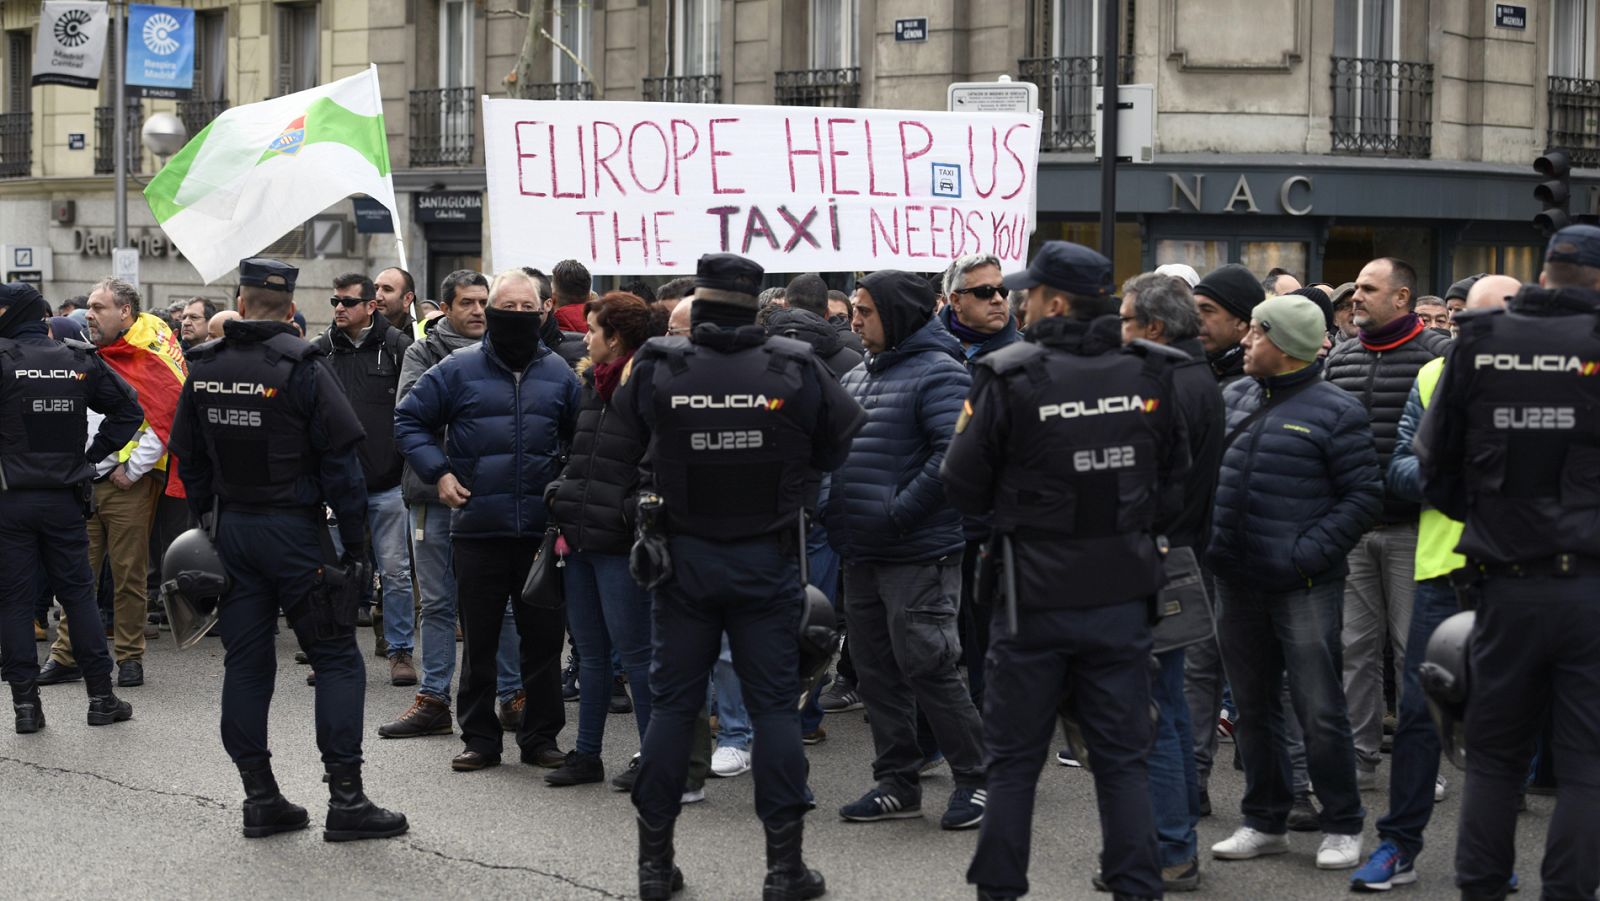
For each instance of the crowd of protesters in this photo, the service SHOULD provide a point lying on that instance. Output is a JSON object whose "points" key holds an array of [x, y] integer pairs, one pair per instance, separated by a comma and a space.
{"points": [[1325, 570]]}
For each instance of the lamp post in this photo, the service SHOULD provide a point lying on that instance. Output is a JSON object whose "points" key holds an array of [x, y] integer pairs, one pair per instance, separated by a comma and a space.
{"points": [[119, 134]]}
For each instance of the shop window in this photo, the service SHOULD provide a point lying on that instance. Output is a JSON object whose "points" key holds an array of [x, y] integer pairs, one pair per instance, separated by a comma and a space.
{"points": [[1202, 254], [1129, 251], [1520, 261], [1349, 247], [1262, 257]]}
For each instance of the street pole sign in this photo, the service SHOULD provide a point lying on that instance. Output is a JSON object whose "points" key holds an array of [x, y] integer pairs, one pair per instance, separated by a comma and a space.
{"points": [[125, 264], [1003, 96]]}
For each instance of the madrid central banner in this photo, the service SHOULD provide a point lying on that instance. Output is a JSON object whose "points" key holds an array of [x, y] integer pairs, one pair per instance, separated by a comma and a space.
{"points": [[646, 188]]}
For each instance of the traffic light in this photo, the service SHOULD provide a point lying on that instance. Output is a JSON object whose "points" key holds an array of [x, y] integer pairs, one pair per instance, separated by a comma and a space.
{"points": [[1555, 192]]}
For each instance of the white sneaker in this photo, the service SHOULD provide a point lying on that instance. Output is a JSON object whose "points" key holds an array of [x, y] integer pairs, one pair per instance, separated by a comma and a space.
{"points": [[1339, 852], [693, 797], [1438, 788], [1247, 843], [729, 762]]}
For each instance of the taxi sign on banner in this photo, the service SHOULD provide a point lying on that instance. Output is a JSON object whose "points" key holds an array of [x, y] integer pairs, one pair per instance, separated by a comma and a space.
{"points": [[637, 188]]}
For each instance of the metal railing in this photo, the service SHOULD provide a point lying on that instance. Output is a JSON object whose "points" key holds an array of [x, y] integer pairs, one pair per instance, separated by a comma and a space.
{"points": [[561, 90], [1575, 119], [1382, 107], [684, 89], [16, 145], [105, 129], [818, 87], [442, 126], [197, 114], [1066, 95]]}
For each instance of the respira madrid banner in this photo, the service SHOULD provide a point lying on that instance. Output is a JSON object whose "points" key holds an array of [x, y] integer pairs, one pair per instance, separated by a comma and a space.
{"points": [[631, 188], [160, 50], [70, 44]]}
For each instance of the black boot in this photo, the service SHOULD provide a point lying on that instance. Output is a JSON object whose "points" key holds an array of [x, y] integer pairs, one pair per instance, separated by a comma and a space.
{"points": [[350, 815], [25, 701], [266, 810], [658, 878], [788, 878], [106, 708]]}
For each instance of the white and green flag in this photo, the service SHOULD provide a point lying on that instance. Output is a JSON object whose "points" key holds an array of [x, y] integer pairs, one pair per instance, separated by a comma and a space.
{"points": [[259, 170]]}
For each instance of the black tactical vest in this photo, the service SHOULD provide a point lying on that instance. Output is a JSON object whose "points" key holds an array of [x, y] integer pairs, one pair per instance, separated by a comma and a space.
{"points": [[257, 435], [44, 404], [1532, 468], [1082, 455], [729, 448]]}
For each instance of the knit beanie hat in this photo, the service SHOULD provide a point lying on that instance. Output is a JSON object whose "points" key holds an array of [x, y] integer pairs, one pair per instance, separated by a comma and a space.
{"points": [[1293, 324], [1234, 287]]}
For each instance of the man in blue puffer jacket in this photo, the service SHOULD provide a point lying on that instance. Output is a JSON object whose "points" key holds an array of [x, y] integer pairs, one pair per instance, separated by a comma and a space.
{"points": [[1299, 485], [901, 542], [508, 406]]}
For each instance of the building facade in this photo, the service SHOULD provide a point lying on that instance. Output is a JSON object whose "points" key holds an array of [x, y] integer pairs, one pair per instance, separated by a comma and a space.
{"points": [[1307, 134]]}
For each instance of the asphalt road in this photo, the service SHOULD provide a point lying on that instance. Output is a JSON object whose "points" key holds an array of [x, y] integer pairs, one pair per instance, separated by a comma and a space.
{"points": [[150, 808]]}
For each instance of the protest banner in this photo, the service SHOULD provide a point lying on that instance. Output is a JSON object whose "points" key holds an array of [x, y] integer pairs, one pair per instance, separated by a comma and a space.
{"points": [[646, 188]]}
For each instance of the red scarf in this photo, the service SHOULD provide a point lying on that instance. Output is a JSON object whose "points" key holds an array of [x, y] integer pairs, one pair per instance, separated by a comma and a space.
{"points": [[1393, 335], [608, 376]]}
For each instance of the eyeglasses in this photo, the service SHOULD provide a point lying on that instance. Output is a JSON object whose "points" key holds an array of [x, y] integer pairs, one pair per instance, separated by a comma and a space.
{"points": [[983, 292], [678, 330], [337, 301]]}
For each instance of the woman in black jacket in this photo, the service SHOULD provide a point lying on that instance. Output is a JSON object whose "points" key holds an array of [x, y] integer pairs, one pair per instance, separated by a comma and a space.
{"points": [[592, 503]]}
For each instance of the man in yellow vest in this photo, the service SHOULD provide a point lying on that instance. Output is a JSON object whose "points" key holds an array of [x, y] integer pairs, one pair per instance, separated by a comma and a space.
{"points": [[1414, 764]]}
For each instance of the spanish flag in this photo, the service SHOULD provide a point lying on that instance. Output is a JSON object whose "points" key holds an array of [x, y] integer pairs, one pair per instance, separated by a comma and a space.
{"points": [[149, 357]]}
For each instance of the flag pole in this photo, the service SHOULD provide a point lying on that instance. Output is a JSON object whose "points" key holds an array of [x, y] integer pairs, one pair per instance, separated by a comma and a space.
{"points": [[394, 215]]}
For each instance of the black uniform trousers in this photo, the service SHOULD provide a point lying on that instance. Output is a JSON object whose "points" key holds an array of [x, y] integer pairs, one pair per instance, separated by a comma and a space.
{"points": [[42, 531], [751, 590], [489, 573], [272, 561], [1099, 659], [1535, 651]]}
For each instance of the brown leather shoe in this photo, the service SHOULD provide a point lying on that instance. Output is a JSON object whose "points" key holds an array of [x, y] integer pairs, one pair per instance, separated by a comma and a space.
{"points": [[511, 712], [551, 758], [469, 760], [426, 716], [401, 670]]}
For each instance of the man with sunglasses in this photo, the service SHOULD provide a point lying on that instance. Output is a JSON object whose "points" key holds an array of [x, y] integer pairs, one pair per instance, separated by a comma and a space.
{"points": [[365, 351]]}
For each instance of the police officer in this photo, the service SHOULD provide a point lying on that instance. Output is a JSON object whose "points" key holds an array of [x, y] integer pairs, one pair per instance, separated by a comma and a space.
{"points": [[46, 391], [1071, 443], [1511, 446], [734, 422], [264, 435]]}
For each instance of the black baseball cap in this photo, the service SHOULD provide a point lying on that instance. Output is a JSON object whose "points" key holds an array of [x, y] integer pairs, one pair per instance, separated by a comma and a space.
{"points": [[1577, 244], [1066, 267], [261, 272]]}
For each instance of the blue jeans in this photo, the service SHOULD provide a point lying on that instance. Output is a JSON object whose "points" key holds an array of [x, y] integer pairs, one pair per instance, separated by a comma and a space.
{"points": [[386, 523], [607, 609], [1263, 634], [1414, 764], [430, 549], [1174, 783], [823, 562], [726, 700]]}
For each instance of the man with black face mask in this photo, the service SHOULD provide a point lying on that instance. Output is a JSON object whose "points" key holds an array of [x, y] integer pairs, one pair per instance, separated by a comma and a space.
{"points": [[737, 424], [507, 406]]}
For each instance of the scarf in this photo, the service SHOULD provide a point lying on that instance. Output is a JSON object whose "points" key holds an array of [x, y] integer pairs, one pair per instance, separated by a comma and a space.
{"points": [[608, 376], [514, 336], [1397, 332], [962, 333]]}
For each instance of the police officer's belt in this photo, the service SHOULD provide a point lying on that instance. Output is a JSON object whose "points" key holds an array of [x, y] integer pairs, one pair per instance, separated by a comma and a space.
{"points": [[1561, 565], [266, 510]]}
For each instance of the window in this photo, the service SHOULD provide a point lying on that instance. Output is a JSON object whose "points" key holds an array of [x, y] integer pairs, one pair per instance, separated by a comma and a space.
{"points": [[455, 44], [696, 36], [297, 48], [1075, 28], [19, 69], [1571, 37], [1367, 29], [833, 34], [572, 30], [211, 56]]}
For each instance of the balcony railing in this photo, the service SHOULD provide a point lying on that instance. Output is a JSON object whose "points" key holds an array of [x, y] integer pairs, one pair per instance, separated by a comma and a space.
{"points": [[1575, 119], [16, 145], [684, 89], [1066, 95], [1382, 107], [197, 114], [442, 126], [818, 87], [105, 130], [562, 90]]}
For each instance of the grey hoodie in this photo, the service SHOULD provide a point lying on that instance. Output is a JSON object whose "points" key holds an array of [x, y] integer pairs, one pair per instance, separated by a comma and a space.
{"points": [[442, 341]]}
